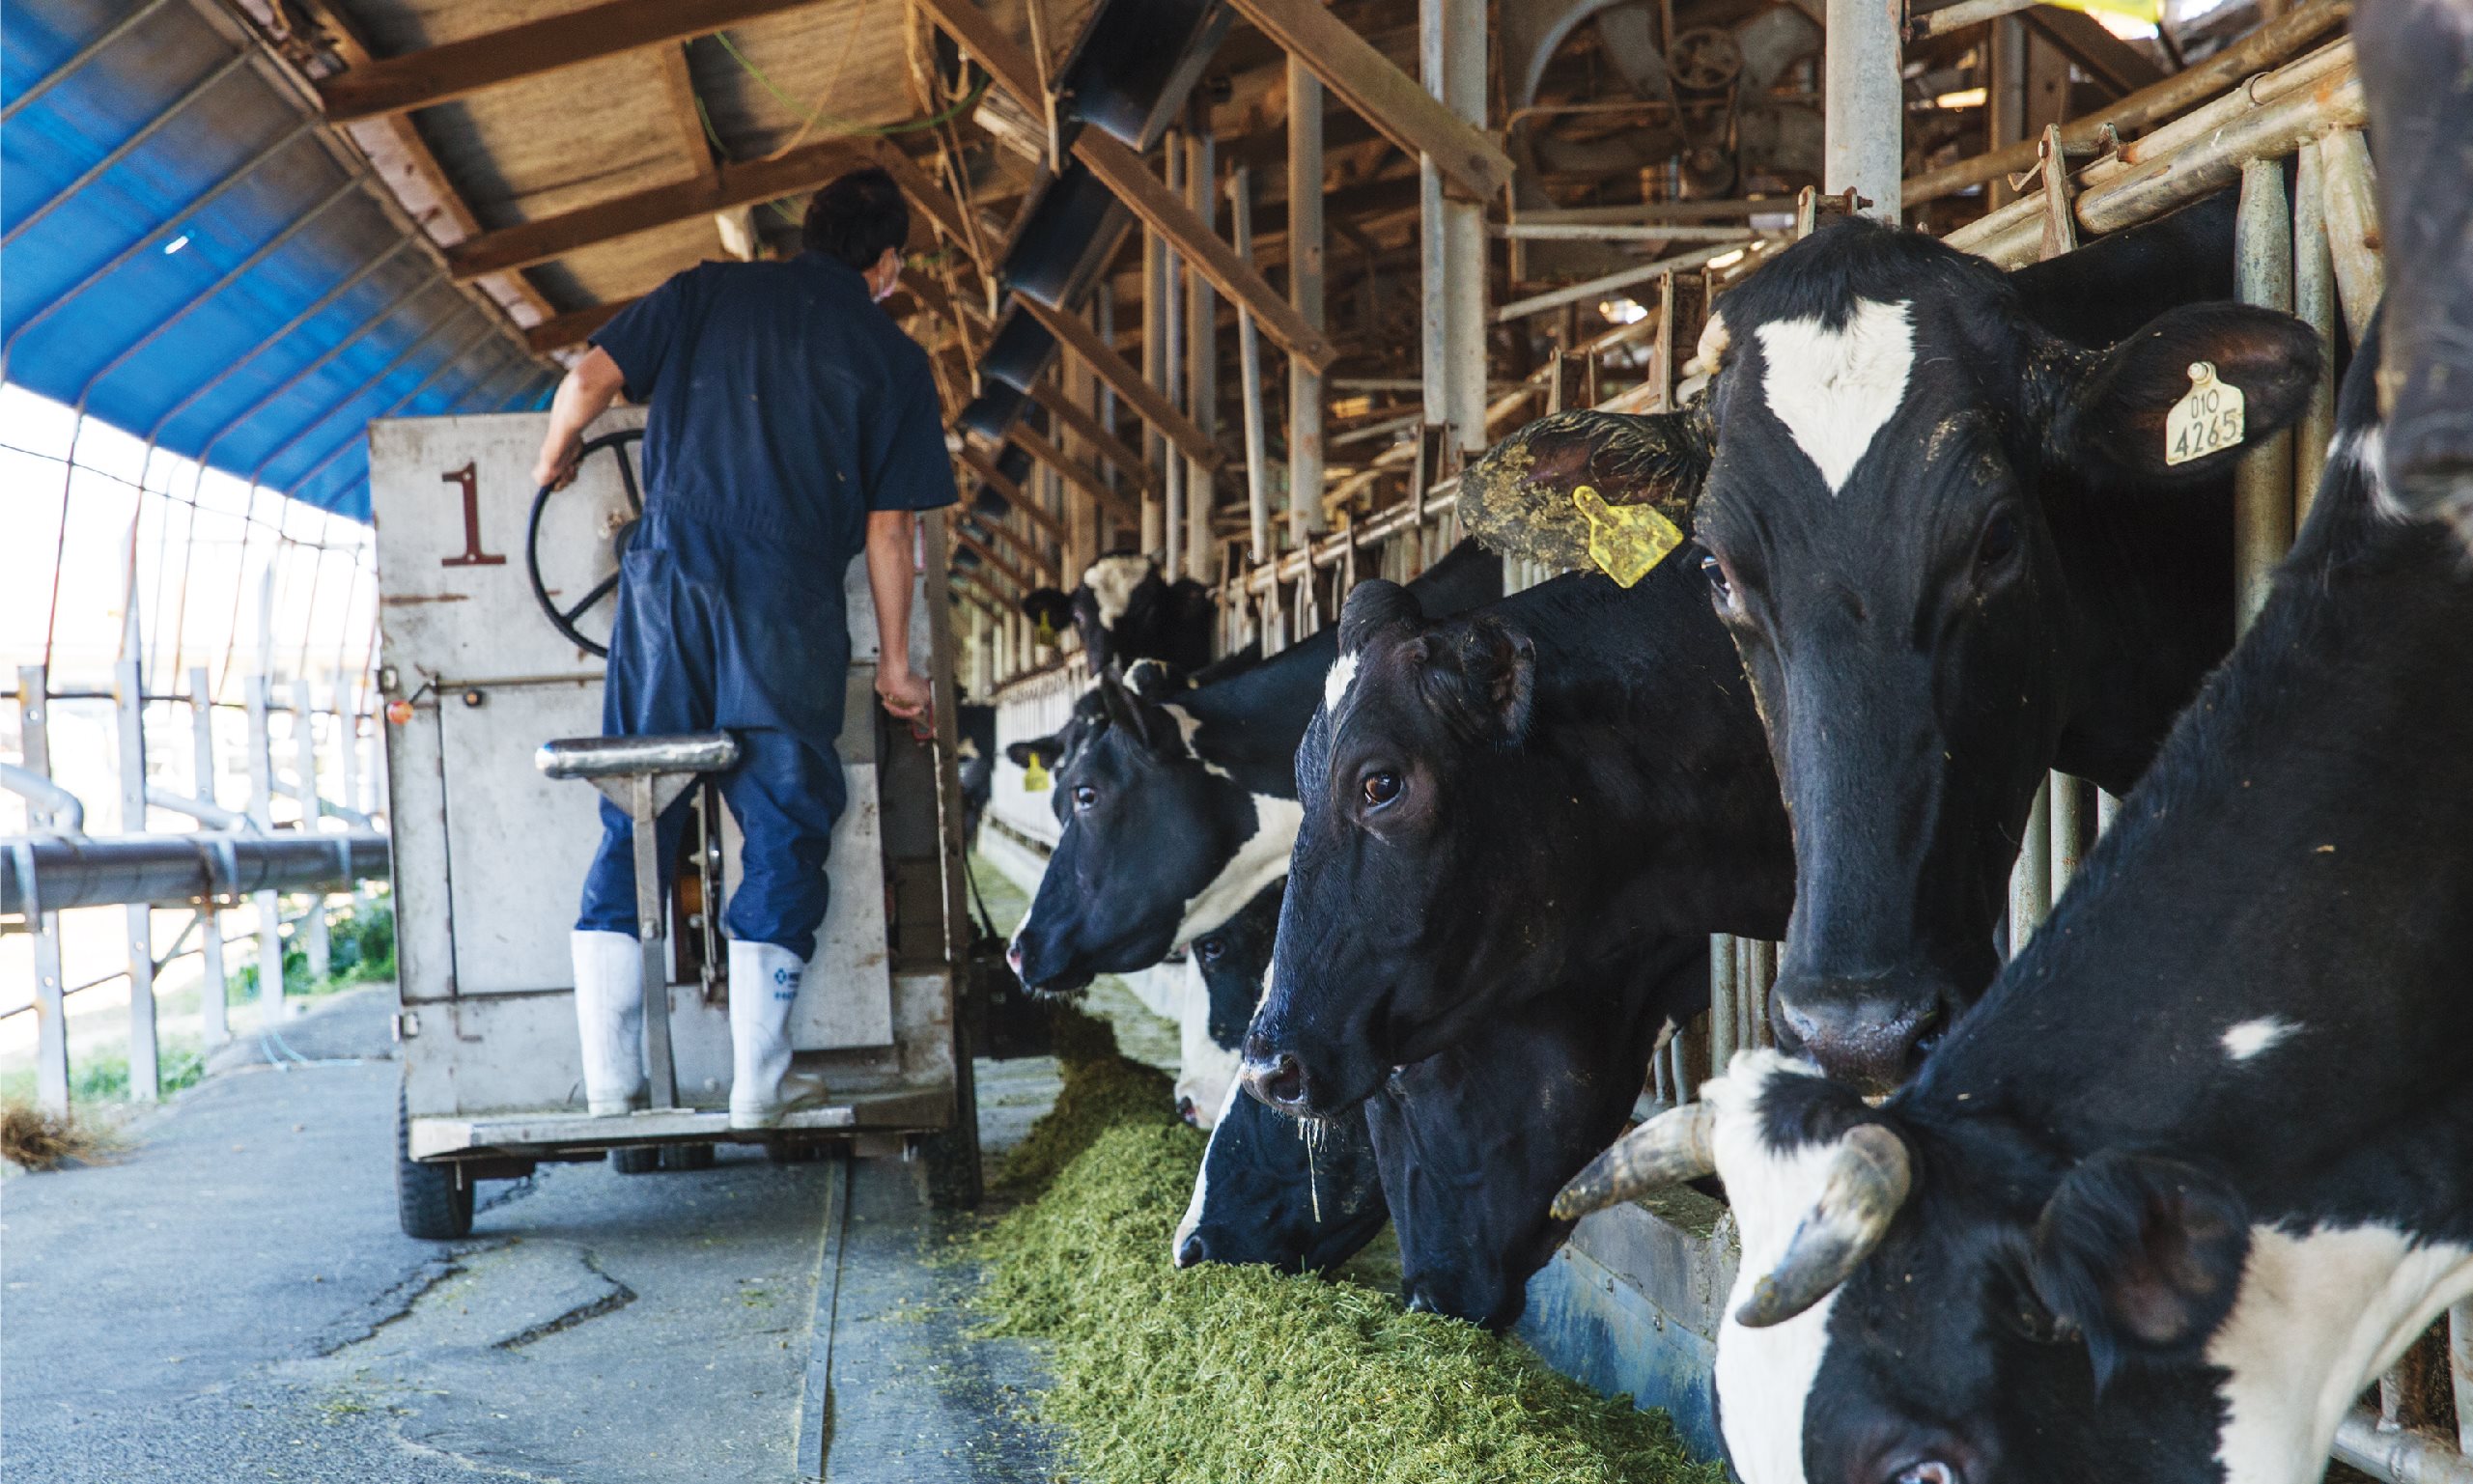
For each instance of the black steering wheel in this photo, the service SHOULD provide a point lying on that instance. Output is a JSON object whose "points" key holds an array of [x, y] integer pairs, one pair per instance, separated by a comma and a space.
{"points": [[564, 619]]}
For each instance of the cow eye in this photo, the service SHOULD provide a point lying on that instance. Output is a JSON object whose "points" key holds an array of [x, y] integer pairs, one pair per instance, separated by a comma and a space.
{"points": [[1084, 795], [1715, 571], [1210, 948], [1999, 539], [1380, 789], [1929, 1471]]}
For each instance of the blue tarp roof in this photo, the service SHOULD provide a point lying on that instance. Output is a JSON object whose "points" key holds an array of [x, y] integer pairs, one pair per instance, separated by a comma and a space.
{"points": [[187, 257]]}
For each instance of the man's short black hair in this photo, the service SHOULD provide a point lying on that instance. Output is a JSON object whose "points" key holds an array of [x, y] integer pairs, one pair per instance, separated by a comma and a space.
{"points": [[857, 217]]}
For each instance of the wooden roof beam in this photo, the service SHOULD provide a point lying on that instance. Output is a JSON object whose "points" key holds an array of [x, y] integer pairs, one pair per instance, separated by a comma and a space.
{"points": [[1080, 422], [1387, 97], [1012, 494], [987, 554], [1125, 381], [574, 327], [1038, 561], [1123, 173], [1080, 475], [804, 168], [438, 74], [678, 88]]}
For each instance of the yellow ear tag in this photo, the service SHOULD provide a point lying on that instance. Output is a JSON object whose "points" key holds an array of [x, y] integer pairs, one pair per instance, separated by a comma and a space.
{"points": [[2206, 420], [1034, 778], [1625, 541], [1047, 632]]}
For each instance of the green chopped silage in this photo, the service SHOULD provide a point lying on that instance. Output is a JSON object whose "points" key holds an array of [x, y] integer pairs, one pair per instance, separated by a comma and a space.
{"points": [[1103, 1089], [1219, 1373]]}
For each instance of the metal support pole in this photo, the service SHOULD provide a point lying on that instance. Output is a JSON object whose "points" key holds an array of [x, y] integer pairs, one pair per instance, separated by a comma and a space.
{"points": [[2031, 879], [1306, 292], [216, 1027], [2262, 479], [1451, 62], [661, 1072], [2072, 814], [1202, 360], [1721, 998], [1154, 447], [2459, 1369], [262, 796], [129, 712], [51, 1009], [313, 920], [2313, 300], [1863, 106], [348, 759], [1257, 454], [2352, 226], [1172, 380]]}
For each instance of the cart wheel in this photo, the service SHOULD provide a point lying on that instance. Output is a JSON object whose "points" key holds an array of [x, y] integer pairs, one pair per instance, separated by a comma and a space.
{"points": [[430, 1203], [640, 1160], [687, 1156]]}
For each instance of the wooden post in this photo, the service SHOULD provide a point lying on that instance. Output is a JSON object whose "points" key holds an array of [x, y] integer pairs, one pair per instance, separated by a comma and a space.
{"points": [[2262, 479], [1306, 292], [1202, 360], [1258, 456], [2313, 301], [52, 1006], [212, 1005], [129, 712], [1155, 448]]}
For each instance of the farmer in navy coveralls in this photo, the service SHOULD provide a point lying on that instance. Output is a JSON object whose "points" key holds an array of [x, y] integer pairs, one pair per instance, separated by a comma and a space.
{"points": [[790, 425]]}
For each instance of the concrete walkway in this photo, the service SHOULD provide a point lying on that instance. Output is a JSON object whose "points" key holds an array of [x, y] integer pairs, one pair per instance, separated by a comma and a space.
{"points": [[230, 1299]]}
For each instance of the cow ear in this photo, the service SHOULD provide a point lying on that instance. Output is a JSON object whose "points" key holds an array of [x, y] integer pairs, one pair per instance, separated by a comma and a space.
{"points": [[1043, 750], [1049, 609], [1642, 478], [1130, 713], [1374, 605], [2141, 1254], [1155, 680], [1489, 679], [2114, 409]]}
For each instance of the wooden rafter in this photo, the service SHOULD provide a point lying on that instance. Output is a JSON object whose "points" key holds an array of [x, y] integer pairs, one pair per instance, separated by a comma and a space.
{"points": [[1384, 96], [728, 185], [987, 554], [678, 87], [1080, 475], [1082, 425], [438, 74], [1012, 494], [574, 327], [1123, 173], [1125, 381], [2107, 58], [1038, 561]]}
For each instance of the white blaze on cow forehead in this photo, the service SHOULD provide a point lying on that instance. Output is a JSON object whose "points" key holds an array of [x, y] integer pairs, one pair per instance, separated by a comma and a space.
{"points": [[1112, 580], [1835, 388], [1343, 674], [2319, 1316], [1198, 1207], [2251, 1037], [1263, 858], [1764, 1376]]}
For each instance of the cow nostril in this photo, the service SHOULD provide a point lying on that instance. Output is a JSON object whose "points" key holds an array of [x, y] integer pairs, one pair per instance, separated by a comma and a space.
{"points": [[1186, 1110], [1013, 954], [1193, 1250]]}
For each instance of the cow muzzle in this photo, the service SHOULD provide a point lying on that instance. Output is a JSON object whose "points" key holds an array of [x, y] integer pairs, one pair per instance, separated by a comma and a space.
{"points": [[1856, 1032], [1274, 1078]]}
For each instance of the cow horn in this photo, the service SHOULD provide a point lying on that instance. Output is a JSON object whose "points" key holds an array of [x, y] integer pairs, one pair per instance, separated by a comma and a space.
{"points": [[1667, 1150], [1868, 1178]]}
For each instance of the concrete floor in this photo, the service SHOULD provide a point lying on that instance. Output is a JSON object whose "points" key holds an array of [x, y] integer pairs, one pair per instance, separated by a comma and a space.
{"points": [[230, 1298]]}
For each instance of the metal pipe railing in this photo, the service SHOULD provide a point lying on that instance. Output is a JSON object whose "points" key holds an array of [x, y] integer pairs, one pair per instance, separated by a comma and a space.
{"points": [[54, 873]]}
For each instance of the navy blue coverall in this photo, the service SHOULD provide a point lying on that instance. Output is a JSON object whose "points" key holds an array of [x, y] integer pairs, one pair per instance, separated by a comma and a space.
{"points": [[784, 405]]}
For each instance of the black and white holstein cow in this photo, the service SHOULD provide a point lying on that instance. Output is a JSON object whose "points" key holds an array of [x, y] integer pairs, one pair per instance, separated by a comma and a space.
{"points": [[1528, 799], [1461, 1152], [2109, 1232], [1176, 812], [1946, 540], [1124, 610]]}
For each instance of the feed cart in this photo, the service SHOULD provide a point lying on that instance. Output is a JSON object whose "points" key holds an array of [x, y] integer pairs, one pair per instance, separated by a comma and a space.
{"points": [[496, 601]]}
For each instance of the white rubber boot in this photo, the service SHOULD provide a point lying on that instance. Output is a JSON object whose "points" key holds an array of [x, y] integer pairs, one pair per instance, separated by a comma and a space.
{"points": [[610, 1014], [764, 987]]}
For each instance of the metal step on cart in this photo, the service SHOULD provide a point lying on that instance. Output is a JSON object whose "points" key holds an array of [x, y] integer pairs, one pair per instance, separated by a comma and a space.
{"points": [[496, 598]]}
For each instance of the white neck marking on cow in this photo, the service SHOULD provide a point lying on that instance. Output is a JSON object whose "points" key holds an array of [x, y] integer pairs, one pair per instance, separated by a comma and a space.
{"points": [[1197, 1207], [1835, 389], [2250, 1038], [2364, 450], [1187, 725], [1112, 580], [1343, 674], [2320, 1315], [1205, 1068], [1764, 1376], [1263, 858]]}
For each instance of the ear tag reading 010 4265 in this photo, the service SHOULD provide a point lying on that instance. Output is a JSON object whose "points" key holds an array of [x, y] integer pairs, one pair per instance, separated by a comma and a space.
{"points": [[1625, 541], [1034, 778], [2206, 420]]}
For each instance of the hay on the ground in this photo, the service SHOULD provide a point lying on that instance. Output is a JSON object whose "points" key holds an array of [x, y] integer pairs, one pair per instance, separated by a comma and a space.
{"points": [[1219, 1373], [1103, 1089], [33, 1140]]}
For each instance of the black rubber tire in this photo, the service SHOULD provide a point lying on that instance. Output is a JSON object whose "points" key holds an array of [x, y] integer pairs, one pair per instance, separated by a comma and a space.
{"points": [[430, 1204], [685, 1157], [642, 1159]]}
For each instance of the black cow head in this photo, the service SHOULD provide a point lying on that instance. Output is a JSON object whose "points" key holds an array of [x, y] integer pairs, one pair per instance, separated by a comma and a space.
{"points": [[1125, 611], [1230, 961], [1050, 611], [1156, 847], [1872, 482], [1300, 1198], [1928, 1299], [1413, 871]]}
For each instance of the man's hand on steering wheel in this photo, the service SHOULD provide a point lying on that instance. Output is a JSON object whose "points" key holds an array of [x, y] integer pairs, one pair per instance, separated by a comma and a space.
{"points": [[555, 467]]}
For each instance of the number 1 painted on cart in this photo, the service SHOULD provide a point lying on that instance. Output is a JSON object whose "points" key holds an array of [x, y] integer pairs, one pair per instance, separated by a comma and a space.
{"points": [[473, 555]]}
